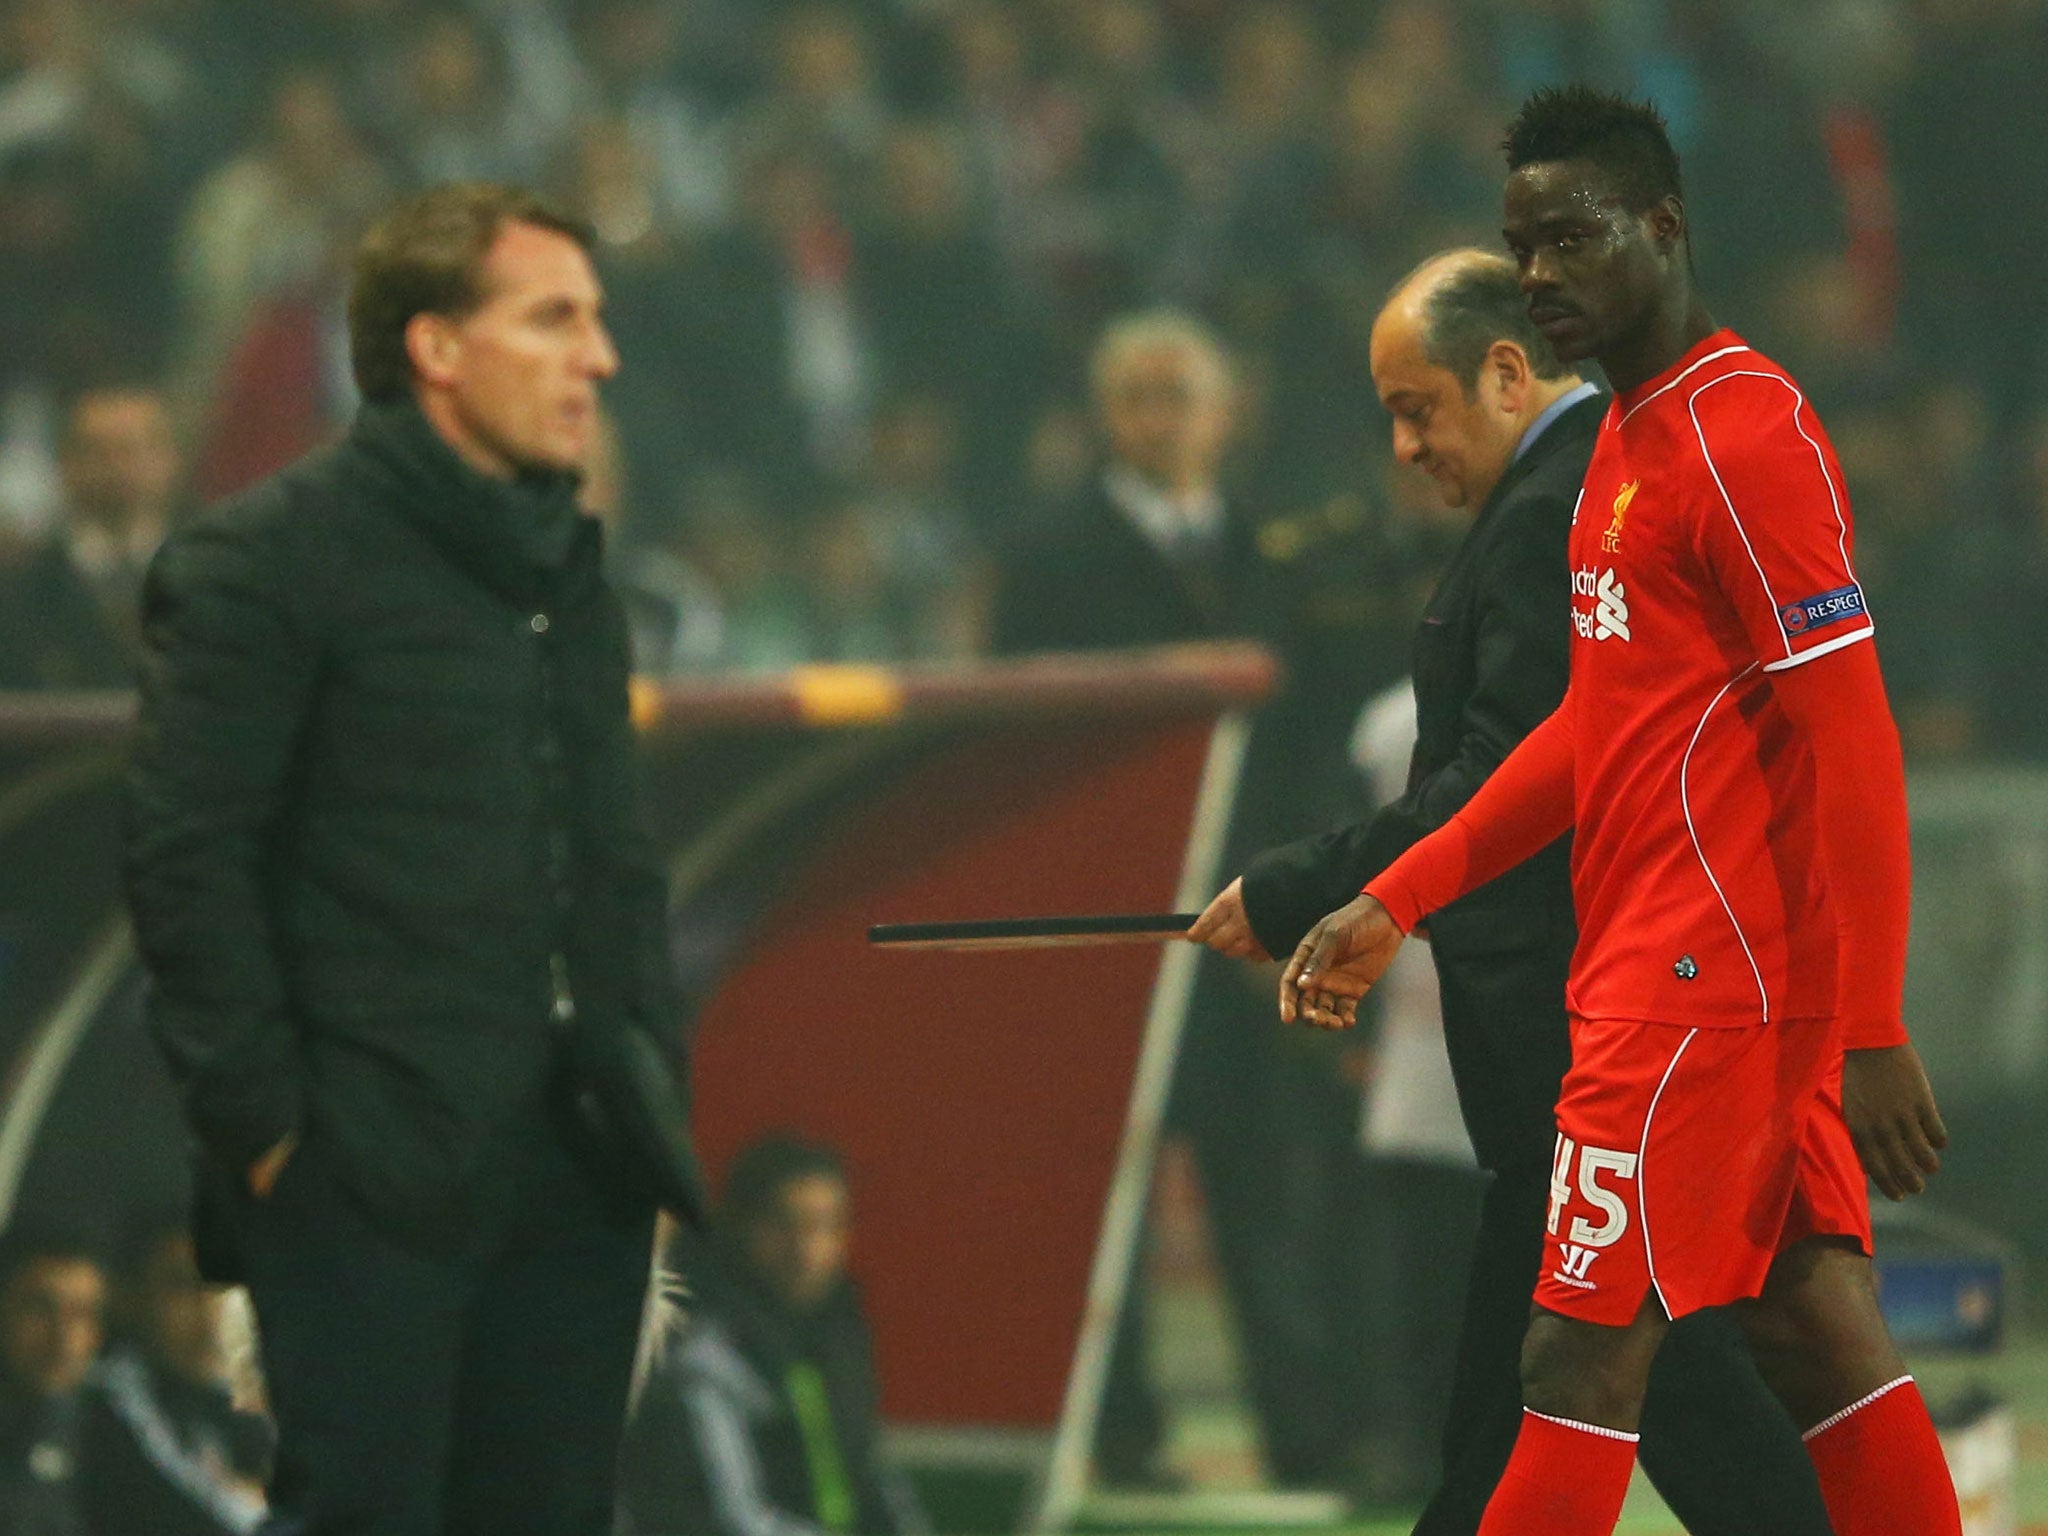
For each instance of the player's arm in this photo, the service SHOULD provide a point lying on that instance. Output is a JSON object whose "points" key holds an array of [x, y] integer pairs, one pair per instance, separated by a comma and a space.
{"points": [[1523, 807], [1859, 790], [1777, 536], [227, 677], [1521, 659]]}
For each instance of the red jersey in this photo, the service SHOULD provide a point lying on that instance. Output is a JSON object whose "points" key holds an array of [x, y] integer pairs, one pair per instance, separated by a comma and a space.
{"points": [[1710, 550]]}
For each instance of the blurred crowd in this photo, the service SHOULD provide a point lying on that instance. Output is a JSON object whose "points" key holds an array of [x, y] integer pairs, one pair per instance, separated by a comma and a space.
{"points": [[130, 1404], [132, 1400], [857, 252]]}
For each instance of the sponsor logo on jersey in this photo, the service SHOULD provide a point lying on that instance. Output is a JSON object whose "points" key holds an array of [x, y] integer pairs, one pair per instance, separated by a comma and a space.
{"points": [[1611, 539], [1811, 613], [1608, 619]]}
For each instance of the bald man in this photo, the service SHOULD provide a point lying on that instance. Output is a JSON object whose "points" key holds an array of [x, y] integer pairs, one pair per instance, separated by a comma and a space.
{"points": [[1480, 403]]}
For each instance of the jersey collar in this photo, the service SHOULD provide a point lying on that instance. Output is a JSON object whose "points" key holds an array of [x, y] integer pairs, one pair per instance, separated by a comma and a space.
{"points": [[1723, 340]]}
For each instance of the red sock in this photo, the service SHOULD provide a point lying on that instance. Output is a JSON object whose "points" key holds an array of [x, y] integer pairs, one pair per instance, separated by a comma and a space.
{"points": [[1564, 1479], [1881, 1468]]}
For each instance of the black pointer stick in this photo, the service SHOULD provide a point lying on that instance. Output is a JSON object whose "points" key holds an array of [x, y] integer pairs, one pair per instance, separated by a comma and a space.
{"points": [[1036, 932]]}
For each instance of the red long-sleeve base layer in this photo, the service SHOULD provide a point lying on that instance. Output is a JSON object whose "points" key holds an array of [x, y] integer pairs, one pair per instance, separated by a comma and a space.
{"points": [[1523, 807], [1837, 706]]}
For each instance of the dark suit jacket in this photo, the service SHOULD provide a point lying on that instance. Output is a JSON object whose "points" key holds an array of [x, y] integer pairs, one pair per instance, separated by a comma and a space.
{"points": [[1086, 578], [1491, 661], [383, 848]]}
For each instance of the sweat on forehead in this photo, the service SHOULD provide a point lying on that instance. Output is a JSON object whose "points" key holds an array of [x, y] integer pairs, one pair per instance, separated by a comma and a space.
{"points": [[1569, 188]]}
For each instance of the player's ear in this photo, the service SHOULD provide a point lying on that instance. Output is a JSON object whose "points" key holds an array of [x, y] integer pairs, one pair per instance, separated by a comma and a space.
{"points": [[1667, 224]]}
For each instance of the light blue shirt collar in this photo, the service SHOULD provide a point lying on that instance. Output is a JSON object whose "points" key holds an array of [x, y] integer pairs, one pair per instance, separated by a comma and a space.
{"points": [[1551, 412]]}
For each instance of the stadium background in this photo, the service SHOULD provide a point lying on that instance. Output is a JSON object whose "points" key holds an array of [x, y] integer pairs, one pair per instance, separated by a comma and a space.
{"points": [[857, 253]]}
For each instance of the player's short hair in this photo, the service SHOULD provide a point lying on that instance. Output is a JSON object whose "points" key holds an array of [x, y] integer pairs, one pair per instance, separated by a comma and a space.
{"points": [[1153, 328], [426, 256], [753, 1189], [1627, 139], [1479, 302]]}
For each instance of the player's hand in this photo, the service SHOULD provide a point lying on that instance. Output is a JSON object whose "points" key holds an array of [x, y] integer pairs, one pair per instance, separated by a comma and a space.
{"points": [[1224, 927], [1337, 964], [267, 1169], [1893, 1119]]}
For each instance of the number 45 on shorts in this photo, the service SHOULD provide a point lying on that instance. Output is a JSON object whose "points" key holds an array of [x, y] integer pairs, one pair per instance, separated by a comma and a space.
{"points": [[1581, 1245]]}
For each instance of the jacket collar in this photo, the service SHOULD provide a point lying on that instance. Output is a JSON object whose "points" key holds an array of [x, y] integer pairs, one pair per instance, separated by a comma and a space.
{"points": [[1577, 424], [519, 537]]}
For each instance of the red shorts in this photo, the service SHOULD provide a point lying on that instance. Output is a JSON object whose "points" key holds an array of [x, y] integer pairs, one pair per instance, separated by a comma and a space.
{"points": [[1688, 1159]]}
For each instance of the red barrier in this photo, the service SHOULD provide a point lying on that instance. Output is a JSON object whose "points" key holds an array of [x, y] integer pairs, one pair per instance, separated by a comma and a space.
{"points": [[997, 1110]]}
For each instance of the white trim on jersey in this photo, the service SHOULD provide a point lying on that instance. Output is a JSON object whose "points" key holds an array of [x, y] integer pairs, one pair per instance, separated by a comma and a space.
{"points": [[1685, 804], [1801, 658], [1643, 1170], [1695, 368], [1841, 522], [1692, 409], [1834, 500], [1589, 1429]]}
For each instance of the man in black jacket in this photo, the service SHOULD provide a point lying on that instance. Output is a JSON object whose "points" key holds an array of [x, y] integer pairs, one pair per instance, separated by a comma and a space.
{"points": [[1153, 550], [407, 945], [67, 604], [1481, 404]]}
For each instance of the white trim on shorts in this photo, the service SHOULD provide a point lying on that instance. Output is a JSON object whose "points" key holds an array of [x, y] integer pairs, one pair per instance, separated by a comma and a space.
{"points": [[1643, 1173]]}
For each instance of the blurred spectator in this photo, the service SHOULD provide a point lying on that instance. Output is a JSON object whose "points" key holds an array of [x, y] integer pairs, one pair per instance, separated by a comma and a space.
{"points": [[69, 606], [763, 1419], [1157, 548], [1910, 467], [453, 116], [1119, 154], [259, 259], [933, 294], [898, 573], [166, 1451], [811, 207], [633, 63], [1005, 110], [726, 532], [823, 93], [778, 357], [1266, 152], [1975, 304], [52, 1321], [1151, 551]]}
